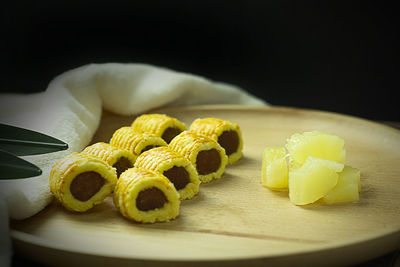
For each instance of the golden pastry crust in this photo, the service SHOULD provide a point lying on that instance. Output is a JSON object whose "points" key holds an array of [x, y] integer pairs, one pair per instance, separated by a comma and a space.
{"points": [[170, 164], [114, 156], [206, 155], [160, 125], [130, 186], [136, 143], [226, 133], [67, 171]]}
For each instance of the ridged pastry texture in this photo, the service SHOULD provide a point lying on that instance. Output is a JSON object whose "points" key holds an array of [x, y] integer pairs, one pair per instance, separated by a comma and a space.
{"points": [[118, 158], [160, 125], [72, 175], [177, 168], [132, 183], [127, 138], [206, 155], [226, 133]]}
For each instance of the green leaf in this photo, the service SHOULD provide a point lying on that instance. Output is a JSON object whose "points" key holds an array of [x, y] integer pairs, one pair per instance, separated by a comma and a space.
{"points": [[23, 142], [13, 167]]}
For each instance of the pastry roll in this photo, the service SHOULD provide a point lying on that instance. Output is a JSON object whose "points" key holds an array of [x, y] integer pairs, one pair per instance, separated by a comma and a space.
{"points": [[136, 143], [226, 133], [80, 181], [204, 153], [178, 169], [160, 125], [118, 158], [146, 196]]}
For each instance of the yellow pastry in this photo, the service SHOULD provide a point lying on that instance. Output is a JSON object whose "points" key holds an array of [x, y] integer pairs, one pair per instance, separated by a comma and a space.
{"points": [[160, 125], [226, 133], [204, 153], [136, 143], [80, 181], [118, 158], [146, 196], [178, 169]]}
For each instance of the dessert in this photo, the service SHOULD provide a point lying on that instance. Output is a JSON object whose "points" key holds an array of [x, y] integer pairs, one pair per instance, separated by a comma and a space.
{"points": [[120, 159], [146, 196], [204, 153], [136, 143], [80, 181], [159, 125], [178, 169], [226, 133]]}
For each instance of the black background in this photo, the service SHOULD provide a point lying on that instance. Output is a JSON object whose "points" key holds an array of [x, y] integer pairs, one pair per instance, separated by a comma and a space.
{"points": [[339, 56]]}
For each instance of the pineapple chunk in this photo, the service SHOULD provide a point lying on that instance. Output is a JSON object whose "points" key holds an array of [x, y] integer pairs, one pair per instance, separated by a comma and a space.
{"points": [[313, 180], [274, 168], [347, 188], [317, 144]]}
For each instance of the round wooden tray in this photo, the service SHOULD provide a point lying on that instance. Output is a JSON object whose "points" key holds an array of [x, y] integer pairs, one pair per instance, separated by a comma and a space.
{"points": [[235, 220]]}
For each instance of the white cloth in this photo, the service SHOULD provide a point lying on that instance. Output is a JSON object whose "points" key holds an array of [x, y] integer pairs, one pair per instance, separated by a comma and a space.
{"points": [[70, 109]]}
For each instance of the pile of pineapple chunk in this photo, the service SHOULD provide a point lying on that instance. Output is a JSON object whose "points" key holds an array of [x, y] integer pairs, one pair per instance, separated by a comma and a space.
{"points": [[312, 166]]}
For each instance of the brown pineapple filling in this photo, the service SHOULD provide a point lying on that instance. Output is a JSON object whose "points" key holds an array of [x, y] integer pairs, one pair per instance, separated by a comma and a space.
{"points": [[86, 185], [208, 161], [178, 176], [122, 165], [170, 133], [150, 199], [229, 140]]}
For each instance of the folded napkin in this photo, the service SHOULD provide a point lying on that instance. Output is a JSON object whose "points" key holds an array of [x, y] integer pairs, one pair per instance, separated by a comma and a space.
{"points": [[70, 110]]}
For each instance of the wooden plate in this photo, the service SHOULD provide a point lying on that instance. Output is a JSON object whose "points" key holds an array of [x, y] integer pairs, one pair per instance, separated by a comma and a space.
{"points": [[235, 220]]}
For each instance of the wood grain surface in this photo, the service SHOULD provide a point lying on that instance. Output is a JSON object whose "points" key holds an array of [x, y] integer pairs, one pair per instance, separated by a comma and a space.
{"points": [[235, 220]]}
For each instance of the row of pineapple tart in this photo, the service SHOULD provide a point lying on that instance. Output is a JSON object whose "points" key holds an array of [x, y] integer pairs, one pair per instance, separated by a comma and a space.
{"points": [[150, 166]]}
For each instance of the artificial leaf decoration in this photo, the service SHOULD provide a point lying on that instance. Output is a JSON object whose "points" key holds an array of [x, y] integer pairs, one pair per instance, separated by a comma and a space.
{"points": [[23, 142], [13, 167]]}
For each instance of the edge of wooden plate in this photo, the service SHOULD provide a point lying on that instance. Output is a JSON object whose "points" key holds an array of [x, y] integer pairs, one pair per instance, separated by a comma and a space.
{"points": [[280, 108], [338, 253]]}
